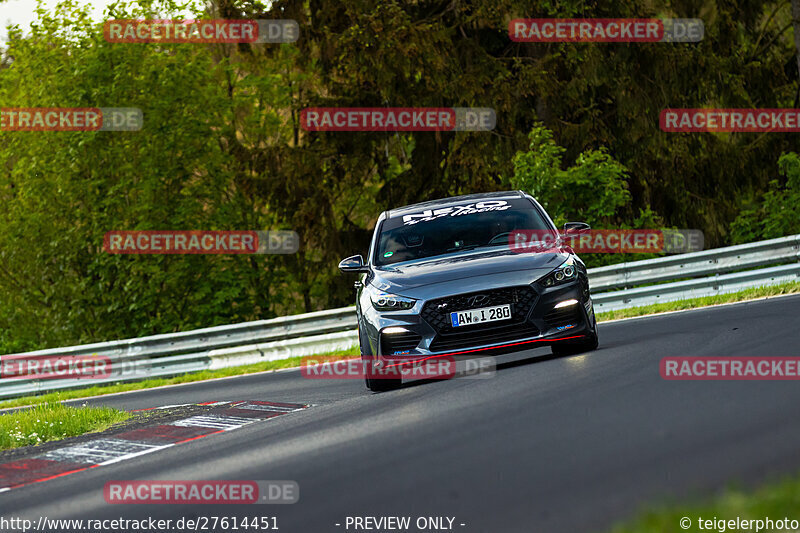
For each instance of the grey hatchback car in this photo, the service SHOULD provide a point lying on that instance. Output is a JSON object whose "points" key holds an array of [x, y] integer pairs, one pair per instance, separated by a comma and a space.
{"points": [[442, 279]]}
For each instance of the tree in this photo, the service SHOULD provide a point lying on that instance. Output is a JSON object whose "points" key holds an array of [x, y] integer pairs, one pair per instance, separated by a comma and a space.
{"points": [[778, 212], [594, 190], [222, 147]]}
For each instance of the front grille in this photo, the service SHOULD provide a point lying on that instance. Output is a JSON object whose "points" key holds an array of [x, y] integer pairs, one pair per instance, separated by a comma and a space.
{"points": [[399, 342], [495, 335], [563, 316], [437, 314]]}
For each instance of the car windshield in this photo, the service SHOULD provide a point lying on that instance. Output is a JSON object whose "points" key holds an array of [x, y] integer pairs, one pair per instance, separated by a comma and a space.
{"points": [[433, 232]]}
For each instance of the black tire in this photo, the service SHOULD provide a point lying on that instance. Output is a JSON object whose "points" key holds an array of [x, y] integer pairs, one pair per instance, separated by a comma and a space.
{"points": [[383, 385], [586, 344], [374, 384]]}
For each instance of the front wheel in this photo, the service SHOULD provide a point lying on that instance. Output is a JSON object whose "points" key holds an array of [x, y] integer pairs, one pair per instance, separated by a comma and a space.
{"points": [[377, 381]]}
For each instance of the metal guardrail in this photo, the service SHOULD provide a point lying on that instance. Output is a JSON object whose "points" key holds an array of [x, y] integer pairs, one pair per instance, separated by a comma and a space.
{"points": [[694, 264], [695, 288], [202, 349], [710, 272]]}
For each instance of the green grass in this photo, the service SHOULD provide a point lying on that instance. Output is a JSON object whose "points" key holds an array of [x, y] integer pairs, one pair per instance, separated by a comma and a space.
{"points": [[747, 294], [99, 390], [774, 500], [54, 421]]}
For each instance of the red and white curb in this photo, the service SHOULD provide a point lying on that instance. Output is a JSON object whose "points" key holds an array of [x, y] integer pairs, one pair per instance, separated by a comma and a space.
{"points": [[225, 416]]}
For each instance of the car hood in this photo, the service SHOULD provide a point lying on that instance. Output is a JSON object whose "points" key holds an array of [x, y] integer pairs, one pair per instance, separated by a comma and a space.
{"points": [[465, 272]]}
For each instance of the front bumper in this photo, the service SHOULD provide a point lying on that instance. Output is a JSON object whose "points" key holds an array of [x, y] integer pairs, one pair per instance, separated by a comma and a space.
{"points": [[424, 332]]}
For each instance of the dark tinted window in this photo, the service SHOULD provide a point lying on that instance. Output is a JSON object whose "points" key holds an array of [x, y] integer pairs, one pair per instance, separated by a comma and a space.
{"points": [[432, 232]]}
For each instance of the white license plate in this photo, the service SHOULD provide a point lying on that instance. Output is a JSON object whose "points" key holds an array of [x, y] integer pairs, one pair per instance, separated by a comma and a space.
{"points": [[481, 315]]}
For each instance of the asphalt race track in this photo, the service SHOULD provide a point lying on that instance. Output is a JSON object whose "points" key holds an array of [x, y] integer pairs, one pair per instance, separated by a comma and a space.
{"points": [[548, 445]]}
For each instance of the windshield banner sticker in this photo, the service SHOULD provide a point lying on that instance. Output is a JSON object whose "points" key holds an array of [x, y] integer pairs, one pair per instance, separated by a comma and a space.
{"points": [[456, 210]]}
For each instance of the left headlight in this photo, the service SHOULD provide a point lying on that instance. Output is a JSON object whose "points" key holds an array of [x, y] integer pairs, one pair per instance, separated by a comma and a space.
{"points": [[384, 301], [563, 274]]}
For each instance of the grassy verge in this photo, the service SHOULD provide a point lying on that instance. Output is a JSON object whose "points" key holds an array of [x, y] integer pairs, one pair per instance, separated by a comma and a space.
{"points": [[54, 421], [114, 388], [775, 501], [748, 294]]}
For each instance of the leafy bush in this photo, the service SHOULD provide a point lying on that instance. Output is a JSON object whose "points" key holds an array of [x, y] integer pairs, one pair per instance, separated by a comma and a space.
{"points": [[778, 213], [591, 191], [594, 190]]}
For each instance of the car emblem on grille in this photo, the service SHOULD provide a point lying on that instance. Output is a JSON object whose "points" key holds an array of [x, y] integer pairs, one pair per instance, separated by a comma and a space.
{"points": [[475, 301]]}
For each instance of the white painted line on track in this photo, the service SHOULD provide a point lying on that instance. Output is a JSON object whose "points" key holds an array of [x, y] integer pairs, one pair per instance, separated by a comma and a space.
{"points": [[99, 451], [132, 455], [272, 408], [214, 421]]}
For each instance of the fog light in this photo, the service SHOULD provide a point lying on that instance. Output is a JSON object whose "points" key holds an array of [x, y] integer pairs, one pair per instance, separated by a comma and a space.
{"points": [[565, 303], [394, 329]]}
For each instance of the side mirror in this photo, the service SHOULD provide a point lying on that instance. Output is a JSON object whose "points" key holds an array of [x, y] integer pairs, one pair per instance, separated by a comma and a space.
{"points": [[576, 227], [353, 264]]}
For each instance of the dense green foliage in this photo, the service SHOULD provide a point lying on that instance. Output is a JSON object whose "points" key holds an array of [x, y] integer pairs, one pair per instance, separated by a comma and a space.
{"points": [[778, 212], [595, 187], [222, 147], [594, 190]]}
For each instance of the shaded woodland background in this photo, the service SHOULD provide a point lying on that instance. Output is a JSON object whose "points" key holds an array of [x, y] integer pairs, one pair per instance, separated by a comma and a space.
{"points": [[221, 148]]}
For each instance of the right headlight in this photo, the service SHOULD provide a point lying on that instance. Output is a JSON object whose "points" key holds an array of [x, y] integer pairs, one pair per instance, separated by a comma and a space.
{"points": [[563, 274], [384, 301]]}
